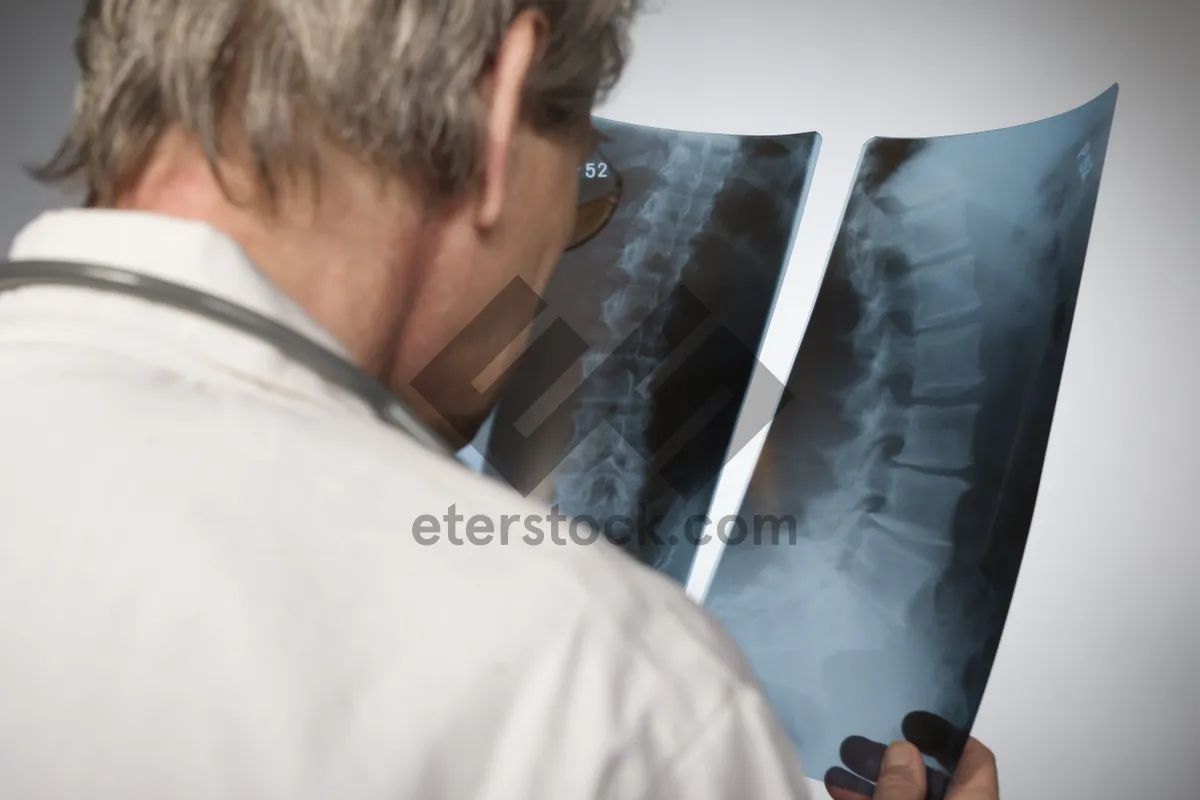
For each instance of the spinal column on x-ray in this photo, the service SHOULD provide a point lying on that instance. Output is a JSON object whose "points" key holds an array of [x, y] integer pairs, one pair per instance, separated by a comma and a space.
{"points": [[897, 545], [917, 251], [605, 475]]}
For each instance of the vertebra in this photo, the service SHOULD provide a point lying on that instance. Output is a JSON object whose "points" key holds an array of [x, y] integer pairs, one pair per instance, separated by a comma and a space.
{"points": [[604, 475]]}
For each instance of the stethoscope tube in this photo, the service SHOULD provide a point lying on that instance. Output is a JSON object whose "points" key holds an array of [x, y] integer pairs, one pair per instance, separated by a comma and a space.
{"points": [[300, 349]]}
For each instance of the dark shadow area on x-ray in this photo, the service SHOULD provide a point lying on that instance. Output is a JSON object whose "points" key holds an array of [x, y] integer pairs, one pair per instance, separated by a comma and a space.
{"points": [[912, 448], [672, 299]]}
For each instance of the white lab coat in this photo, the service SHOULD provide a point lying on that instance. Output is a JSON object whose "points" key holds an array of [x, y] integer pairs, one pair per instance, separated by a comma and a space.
{"points": [[210, 587]]}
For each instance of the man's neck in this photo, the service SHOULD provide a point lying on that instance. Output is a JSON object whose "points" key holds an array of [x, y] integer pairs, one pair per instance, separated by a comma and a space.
{"points": [[353, 256]]}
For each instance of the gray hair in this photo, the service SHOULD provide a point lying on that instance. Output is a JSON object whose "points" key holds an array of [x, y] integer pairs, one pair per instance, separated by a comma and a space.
{"points": [[390, 82]]}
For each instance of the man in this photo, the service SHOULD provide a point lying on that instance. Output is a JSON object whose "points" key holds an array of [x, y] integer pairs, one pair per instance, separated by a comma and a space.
{"points": [[211, 582]]}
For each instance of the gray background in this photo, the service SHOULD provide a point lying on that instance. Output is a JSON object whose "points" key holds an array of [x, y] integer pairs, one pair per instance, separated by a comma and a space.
{"points": [[1093, 694], [38, 72]]}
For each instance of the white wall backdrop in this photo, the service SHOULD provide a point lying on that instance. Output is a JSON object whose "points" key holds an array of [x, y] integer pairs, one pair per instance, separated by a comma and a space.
{"points": [[1094, 691]]}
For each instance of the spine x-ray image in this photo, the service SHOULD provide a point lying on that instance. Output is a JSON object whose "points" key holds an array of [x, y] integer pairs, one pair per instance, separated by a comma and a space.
{"points": [[911, 447], [669, 302]]}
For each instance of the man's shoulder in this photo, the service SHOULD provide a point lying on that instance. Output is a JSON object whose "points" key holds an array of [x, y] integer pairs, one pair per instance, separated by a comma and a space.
{"points": [[518, 541], [476, 522], [608, 664], [342, 489], [598, 620], [307, 532]]}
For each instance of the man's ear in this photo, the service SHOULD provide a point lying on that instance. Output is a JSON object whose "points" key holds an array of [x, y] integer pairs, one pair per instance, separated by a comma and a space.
{"points": [[503, 93]]}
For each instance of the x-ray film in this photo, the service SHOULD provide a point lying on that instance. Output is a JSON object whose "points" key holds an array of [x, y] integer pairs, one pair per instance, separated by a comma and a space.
{"points": [[907, 457], [622, 410]]}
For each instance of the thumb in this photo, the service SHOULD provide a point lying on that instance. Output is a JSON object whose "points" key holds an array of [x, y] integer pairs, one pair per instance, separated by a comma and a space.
{"points": [[902, 776]]}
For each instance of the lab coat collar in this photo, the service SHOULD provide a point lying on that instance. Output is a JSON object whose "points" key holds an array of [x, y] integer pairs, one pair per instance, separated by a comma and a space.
{"points": [[181, 251], [186, 252]]}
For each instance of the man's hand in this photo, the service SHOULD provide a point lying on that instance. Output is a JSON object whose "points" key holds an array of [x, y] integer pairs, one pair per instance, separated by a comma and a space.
{"points": [[904, 776], [898, 772]]}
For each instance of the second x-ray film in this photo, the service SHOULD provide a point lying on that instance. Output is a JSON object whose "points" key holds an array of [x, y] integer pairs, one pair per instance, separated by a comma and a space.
{"points": [[901, 474]]}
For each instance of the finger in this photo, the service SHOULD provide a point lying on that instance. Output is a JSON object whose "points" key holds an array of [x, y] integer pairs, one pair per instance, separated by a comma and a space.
{"points": [[903, 774], [862, 755], [976, 777], [934, 736], [937, 784], [842, 794], [844, 785]]}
